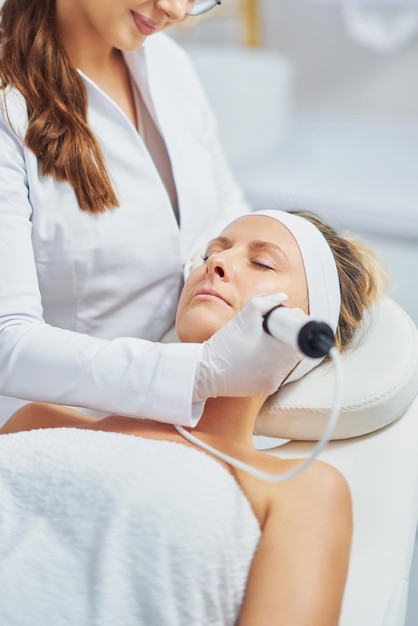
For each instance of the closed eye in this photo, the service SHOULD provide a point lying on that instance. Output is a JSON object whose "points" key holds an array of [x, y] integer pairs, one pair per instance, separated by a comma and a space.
{"points": [[263, 264]]}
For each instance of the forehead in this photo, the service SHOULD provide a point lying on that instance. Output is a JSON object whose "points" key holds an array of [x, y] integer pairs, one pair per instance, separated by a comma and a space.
{"points": [[262, 228]]}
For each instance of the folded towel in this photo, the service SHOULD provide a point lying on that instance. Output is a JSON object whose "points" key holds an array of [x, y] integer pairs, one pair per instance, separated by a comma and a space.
{"points": [[105, 529]]}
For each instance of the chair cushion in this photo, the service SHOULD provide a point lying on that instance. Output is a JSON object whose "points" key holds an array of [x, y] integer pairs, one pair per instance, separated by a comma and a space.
{"points": [[380, 382]]}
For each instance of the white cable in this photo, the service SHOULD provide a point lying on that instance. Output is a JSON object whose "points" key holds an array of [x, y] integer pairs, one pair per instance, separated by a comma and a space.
{"points": [[275, 478]]}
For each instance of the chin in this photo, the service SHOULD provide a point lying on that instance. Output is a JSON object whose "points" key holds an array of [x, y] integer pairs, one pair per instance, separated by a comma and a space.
{"points": [[189, 332], [198, 324], [199, 336]]}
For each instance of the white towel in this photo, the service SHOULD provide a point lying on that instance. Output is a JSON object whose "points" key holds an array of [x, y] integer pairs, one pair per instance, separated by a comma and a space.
{"points": [[105, 529]]}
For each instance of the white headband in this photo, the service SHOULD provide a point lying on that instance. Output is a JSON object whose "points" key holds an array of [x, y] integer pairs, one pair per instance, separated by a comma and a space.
{"points": [[321, 276]]}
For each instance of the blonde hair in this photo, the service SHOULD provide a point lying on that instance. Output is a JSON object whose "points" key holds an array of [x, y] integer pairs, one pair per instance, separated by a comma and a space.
{"points": [[363, 279], [33, 60]]}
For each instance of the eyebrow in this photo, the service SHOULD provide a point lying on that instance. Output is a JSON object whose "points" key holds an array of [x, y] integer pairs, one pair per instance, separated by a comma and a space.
{"points": [[256, 244], [268, 245]]}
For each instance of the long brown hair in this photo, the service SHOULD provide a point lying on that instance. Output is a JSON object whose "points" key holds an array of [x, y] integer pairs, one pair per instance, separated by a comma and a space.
{"points": [[33, 60], [363, 279]]}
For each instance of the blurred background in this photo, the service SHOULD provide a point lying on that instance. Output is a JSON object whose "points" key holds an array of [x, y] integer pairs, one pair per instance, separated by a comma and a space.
{"points": [[317, 104]]}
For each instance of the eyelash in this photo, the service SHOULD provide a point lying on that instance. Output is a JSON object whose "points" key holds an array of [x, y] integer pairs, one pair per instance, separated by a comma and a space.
{"points": [[261, 265]]}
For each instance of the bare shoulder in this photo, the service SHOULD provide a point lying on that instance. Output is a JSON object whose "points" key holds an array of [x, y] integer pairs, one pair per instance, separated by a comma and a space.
{"points": [[320, 488], [42, 415], [300, 568], [314, 505], [318, 476]]}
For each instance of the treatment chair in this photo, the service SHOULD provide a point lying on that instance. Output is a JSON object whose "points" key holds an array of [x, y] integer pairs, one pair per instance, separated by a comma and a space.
{"points": [[375, 446]]}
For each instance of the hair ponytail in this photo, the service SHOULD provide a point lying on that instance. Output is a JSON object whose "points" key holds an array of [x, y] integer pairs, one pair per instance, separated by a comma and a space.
{"points": [[33, 60]]}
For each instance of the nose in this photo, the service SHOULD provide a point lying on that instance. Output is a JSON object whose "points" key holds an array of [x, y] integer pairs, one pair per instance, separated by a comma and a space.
{"points": [[220, 265], [174, 9]]}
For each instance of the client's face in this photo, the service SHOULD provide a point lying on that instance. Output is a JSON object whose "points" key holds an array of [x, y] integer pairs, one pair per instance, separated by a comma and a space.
{"points": [[253, 255]]}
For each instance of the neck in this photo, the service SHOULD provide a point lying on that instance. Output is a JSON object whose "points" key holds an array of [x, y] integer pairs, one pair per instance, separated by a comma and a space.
{"points": [[85, 49], [231, 419]]}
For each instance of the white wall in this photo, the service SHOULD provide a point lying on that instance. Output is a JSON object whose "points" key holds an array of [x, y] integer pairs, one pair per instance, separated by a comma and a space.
{"points": [[332, 72]]}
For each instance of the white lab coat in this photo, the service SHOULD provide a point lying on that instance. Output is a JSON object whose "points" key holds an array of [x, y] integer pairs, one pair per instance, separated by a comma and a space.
{"points": [[77, 290]]}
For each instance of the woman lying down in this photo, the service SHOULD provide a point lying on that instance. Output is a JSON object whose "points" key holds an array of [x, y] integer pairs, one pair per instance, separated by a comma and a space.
{"points": [[121, 521]]}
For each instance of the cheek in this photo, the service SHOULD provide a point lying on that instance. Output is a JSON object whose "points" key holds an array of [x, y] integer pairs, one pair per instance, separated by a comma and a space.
{"points": [[254, 287], [181, 310], [294, 285], [184, 305], [189, 288], [297, 290]]}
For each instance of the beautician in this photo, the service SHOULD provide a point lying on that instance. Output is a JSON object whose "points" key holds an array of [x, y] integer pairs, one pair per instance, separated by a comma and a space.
{"points": [[111, 173]]}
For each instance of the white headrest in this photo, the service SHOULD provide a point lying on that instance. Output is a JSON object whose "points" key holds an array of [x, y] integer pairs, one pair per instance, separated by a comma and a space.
{"points": [[380, 383]]}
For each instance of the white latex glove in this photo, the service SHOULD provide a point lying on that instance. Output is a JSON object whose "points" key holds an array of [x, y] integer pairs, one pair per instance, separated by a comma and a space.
{"points": [[241, 359]]}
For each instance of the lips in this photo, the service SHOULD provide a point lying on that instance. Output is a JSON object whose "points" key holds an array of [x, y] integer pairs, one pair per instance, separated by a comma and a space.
{"points": [[210, 294], [144, 24]]}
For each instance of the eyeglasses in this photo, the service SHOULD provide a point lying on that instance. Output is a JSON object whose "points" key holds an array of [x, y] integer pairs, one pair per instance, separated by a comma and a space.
{"points": [[198, 7]]}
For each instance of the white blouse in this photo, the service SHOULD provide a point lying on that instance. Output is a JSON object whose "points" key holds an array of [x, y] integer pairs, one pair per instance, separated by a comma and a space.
{"points": [[80, 292], [156, 147]]}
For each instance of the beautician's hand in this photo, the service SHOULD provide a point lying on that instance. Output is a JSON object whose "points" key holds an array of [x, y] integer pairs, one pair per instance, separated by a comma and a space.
{"points": [[241, 359]]}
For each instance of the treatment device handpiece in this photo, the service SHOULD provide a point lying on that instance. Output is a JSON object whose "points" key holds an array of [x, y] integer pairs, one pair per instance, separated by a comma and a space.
{"points": [[296, 329]]}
